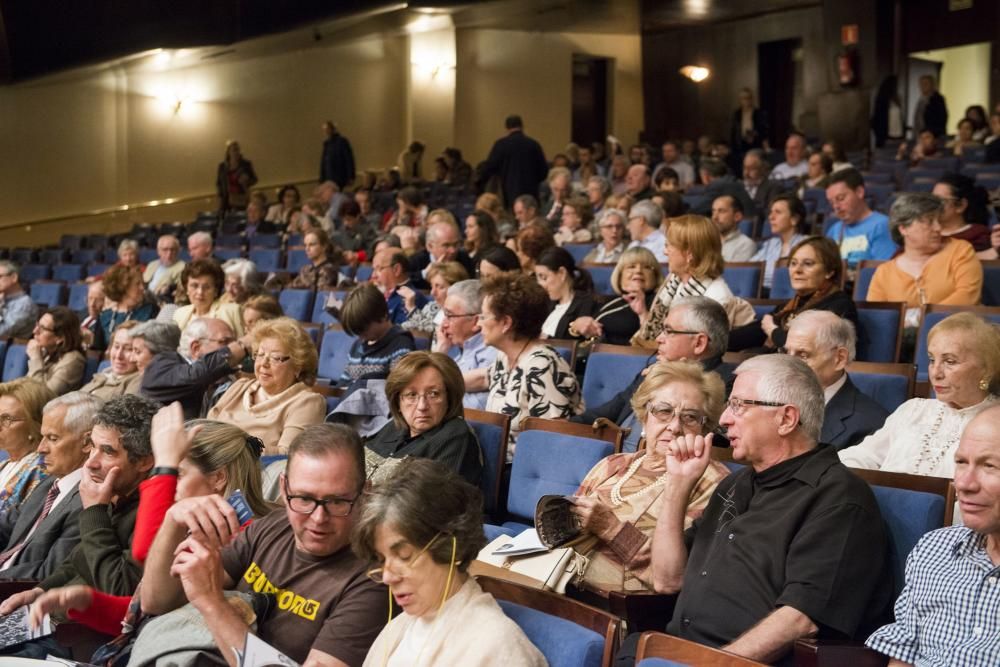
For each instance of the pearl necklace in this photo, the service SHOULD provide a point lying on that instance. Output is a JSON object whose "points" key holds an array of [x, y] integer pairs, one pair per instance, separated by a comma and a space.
{"points": [[616, 491]]}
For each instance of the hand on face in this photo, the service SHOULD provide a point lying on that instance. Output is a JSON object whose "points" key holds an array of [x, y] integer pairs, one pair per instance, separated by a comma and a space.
{"points": [[93, 492]]}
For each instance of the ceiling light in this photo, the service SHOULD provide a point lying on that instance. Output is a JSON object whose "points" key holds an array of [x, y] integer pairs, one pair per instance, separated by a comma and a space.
{"points": [[695, 72]]}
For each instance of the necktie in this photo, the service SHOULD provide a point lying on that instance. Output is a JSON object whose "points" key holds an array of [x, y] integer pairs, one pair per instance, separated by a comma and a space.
{"points": [[50, 500]]}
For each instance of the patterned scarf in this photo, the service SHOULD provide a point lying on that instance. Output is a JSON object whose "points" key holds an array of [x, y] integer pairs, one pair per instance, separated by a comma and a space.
{"points": [[673, 289], [798, 303]]}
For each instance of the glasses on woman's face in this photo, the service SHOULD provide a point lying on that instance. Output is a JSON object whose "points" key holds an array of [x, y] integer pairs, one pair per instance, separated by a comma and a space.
{"points": [[403, 567], [665, 413], [7, 420], [433, 397], [272, 358], [308, 504]]}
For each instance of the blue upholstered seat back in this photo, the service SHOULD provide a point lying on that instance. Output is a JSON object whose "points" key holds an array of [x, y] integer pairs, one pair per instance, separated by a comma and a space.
{"points": [[908, 516], [889, 391], [490, 440], [878, 335], [562, 642], [609, 373]]}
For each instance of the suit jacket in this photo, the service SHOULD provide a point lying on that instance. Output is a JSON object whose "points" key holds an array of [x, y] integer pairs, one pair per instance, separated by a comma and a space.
{"points": [[169, 377], [421, 260], [519, 162], [850, 416], [766, 191], [52, 541]]}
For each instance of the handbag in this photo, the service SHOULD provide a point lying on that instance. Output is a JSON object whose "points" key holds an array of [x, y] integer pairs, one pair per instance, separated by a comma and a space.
{"points": [[549, 570]]}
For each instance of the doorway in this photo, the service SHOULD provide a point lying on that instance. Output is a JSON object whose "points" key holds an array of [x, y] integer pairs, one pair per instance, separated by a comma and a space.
{"points": [[590, 99], [778, 74], [962, 74]]}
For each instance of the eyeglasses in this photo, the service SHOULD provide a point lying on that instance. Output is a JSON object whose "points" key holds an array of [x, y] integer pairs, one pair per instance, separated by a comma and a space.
{"points": [[613, 226], [271, 358], [412, 398], [665, 413], [405, 566], [308, 504], [7, 420], [452, 316], [738, 406], [45, 328]]}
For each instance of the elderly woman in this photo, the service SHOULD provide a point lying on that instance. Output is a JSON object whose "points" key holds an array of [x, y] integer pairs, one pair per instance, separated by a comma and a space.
{"points": [[577, 215], [21, 403], [815, 270], [242, 281], [636, 276], [277, 403], [423, 527], [598, 191], [931, 268], [570, 290], [964, 211], [150, 339], [323, 270], [480, 234], [122, 377], [425, 391], [124, 289], [55, 356], [527, 378], [441, 276], [204, 280], [694, 252], [618, 501], [260, 308], [921, 436], [611, 223], [787, 216]]}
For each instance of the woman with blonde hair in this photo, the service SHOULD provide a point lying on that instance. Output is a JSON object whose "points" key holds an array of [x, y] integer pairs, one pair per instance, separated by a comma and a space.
{"points": [[21, 403], [441, 276]]}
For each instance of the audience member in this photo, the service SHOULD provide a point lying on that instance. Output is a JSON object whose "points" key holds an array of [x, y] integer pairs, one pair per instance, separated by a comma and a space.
{"points": [[727, 213], [17, 312], [672, 159], [441, 276], [390, 275], [337, 161], [931, 112], [55, 356], [598, 190], [860, 232], [39, 534], [423, 526], [21, 404], [577, 215], [410, 163], [444, 244], [931, 268], [963, 139], [149, 341], [126, 299], [696, 329], [530, 243], [718, 183], [517, 160], [163, 274], [560, 188], [258, 309], [200, 246], [619, 500], [637, 183], [289, 201], [528, 377], [425, 391], [827, 344], [92, 318], [498, 260], [379, 344], [611, 222], [964, 210], [122, 376], [758, 186], [193, 378], [526, 211], [666, 180], [920, 437], [356, 236], [644, 220], [925, 146], [411, 210], [976, 114], [234, 178], [815, 535], [818, 176], [950, 573], [636, 276], [795, 165], [256, 223], [276, 404], [460, 336], [837, 155], [242, 281], [992, 155], [331, 199], [480, 235], [570, 291], [204, 281], [618, 174], [322, 272], [787, 218]]}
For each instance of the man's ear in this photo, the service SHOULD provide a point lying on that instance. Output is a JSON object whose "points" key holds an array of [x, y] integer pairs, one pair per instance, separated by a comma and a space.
{"points": [[701, 342], [840, 358], [145, 464], [788, 419]]}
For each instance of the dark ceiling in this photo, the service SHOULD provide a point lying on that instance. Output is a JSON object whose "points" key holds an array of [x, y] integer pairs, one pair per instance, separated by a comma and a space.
{"points": [[658, 15]]}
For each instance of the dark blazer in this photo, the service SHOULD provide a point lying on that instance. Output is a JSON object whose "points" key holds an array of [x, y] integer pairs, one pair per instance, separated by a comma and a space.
{"points": [[421, 260], [451, 443], [51, 543], [724, 185], [169, 377], [337, 161], [850, 416], [936, 115], [759, 134], [582, 305], [519, 162]]}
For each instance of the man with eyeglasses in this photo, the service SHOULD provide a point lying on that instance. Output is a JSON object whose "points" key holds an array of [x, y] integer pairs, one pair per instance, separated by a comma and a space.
{"points": [[17, 312], [827, 343], [444, 244], [389, 274], [791, 546], [214, 354], [461, 338], [326, 611]]}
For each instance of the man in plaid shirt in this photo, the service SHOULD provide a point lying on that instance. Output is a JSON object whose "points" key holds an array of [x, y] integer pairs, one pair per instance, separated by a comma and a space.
{"points": [[947, 613]]}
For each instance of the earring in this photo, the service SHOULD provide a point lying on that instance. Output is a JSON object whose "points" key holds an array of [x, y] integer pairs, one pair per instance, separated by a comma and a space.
{"points": [[984, 384]]}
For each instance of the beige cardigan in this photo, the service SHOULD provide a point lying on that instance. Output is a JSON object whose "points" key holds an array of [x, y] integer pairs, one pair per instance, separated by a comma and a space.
{"points": [[229, 313], [107, 385], [277, 420], [63, 376]]}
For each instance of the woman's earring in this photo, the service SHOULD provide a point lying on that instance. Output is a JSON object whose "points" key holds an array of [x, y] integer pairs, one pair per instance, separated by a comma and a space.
{"points": [[984, 384]]}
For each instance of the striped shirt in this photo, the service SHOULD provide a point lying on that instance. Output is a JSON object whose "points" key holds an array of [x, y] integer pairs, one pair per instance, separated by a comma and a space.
{"points": [[947, 613]]}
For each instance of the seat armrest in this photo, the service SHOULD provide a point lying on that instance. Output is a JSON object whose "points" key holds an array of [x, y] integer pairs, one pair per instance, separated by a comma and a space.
{"points": [[835, 652]]}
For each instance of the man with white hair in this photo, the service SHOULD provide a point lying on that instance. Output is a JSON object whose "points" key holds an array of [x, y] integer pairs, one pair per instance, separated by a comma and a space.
{"points": [[644, 219], [200, 246], [791, 546], [461, 338], [163, 274], [827, 344], [444, 244]]}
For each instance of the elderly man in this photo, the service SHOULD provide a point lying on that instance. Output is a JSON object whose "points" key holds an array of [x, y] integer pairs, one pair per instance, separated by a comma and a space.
{"points": [[947, 612], [518, 161], [755, 181], [444, 244], [328, 192], [727, 213], [696, 329], [827, 343], [17, 312], [618, 173], [390, 274], [200, 246], [213, 355], [526, 211], [560, 189], [638, 183], [644, 220], [795, 164], [331, 611], [791, 546], [461, 338], [164, 273], [860, 232], [40, 533], [91, 320], [672, 159]]}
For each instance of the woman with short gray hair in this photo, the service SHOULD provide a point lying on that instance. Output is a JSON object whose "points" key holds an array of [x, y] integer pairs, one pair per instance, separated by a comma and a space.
{"points": [[242, 281], [931, 269], [151, 338]]}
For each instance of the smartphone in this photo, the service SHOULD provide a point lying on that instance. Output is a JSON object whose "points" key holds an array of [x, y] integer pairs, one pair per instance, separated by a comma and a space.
{"points": [[243, 512]]}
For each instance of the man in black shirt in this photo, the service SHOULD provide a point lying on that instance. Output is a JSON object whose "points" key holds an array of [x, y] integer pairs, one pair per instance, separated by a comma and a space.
{"points": [[791, 546]]}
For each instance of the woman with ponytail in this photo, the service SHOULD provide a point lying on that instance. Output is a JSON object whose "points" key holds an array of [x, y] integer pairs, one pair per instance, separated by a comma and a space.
{"points": [[570, 289]]}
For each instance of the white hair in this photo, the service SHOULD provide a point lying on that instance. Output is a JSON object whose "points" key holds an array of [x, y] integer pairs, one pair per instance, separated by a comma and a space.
{"points": [[787, 380], [831, 331]]}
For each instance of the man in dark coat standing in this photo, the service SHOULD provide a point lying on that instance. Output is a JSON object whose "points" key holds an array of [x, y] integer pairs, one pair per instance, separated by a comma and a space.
{"points": [[518, 160], [337, 163]]}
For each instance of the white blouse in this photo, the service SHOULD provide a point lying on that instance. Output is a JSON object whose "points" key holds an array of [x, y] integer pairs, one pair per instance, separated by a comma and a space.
{"points": [[919, 438]]}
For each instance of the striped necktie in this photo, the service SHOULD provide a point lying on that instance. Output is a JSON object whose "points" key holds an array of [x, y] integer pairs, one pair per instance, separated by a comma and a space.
{"points": [[50, 500]]}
